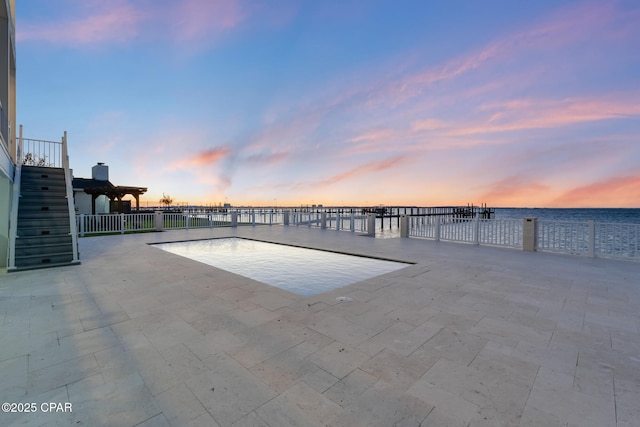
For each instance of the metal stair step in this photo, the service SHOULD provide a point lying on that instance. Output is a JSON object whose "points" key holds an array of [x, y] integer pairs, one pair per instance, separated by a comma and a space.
{"points": [[42, 215], [44, 250], [43, 240], [40, 261], [62, 230]]}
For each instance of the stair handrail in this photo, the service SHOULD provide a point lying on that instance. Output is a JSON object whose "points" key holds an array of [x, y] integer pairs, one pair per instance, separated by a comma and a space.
{"points": [[72, 212], [13, 219]]}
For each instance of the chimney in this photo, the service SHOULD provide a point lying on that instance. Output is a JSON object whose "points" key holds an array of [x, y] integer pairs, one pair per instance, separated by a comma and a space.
{"points": [[100, 172]]}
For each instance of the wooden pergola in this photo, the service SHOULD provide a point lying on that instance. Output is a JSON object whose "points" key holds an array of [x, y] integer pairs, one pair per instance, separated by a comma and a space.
{"points": [[115, 193]]}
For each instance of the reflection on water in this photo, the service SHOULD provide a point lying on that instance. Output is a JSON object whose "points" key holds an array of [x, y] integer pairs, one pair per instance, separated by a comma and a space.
{"points": [[299, 270]]}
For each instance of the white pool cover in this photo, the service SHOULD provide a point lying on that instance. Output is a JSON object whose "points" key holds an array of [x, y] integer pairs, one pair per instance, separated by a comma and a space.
{"points": [[299, 270]]}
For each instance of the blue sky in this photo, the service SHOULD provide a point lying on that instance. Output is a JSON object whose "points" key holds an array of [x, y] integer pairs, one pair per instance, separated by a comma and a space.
{"points": [[509, 103]]}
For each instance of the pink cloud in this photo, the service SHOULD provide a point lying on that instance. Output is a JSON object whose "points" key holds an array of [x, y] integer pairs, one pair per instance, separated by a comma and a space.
{"points": [[428, 124], [373, 135], [199, 19], [185, 22], [515, 190], [115, 21], [266, 159], [570, 25], [617, 191], [516, 115], [365, 169], [202, 158]]}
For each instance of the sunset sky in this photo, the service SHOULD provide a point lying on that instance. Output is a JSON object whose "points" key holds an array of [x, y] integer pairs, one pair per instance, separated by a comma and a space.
{"points": [[438, 102]]}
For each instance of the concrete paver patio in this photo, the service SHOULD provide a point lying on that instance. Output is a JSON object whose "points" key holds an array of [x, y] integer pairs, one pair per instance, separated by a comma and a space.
{"points": [[467, 336]]}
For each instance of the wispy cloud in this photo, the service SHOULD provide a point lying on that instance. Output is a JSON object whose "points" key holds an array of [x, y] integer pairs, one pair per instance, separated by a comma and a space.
{"points": [[202, 158], [364, 169], [198, 19], [515, 190], [525, 114], [113, 21], [187, 23], [612, 192]]}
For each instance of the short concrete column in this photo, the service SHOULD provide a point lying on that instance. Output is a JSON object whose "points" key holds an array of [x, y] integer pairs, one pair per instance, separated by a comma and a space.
{"points": [[159, 220], [234, 219], [285, 218], [404, 226], [323, 220], [529, 234], [371, 225]]}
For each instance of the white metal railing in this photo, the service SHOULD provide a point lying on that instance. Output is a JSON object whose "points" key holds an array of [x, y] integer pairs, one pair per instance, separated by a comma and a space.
{"points": [[123, 223], [503, 232], [189, 220], [615, 240], [330, 220], [136, 222], [467, 230], [38, 152], [114, 223], [563, 236]]}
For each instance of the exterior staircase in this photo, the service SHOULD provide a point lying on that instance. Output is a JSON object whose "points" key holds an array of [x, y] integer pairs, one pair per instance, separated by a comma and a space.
{"points": [[43, 228]]}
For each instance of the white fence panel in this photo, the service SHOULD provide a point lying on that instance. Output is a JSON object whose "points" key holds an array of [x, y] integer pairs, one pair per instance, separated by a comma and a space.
{"points": [[617, 240], [503, 232], [563, 236]]}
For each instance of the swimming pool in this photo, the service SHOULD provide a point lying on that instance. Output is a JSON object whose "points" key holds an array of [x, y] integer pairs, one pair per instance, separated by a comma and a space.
{"points": [[300, 270]]}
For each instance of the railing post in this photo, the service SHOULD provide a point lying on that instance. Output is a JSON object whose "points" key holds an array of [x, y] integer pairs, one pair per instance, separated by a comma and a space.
{"points": [[437, 232], [253, 218], [285, 218], [529, 234], [352, 222], [65, 155], [20, 148], [323, 220], [591, 238], [371, 225], [338, 221], [476, 230], [186, 219], [81, 225], [159, 220], [121, 223], [404, 226], [234, 219]]}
